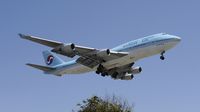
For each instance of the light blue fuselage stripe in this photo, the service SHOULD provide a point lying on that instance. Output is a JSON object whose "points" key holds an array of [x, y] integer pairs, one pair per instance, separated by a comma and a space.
{"points": [[129, 46]]}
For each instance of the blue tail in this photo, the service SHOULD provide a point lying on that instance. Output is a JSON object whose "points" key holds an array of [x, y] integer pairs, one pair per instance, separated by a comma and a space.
{"points": [[51, 59]]}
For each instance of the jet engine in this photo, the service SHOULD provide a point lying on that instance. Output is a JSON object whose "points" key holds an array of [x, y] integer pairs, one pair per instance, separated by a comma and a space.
{"points": [[66, 49], [127, 76], [135, 70], [104, 52]]}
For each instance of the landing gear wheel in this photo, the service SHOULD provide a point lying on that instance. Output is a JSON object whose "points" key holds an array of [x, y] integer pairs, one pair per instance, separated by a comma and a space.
{"points": [[97, 72], [103, 74], [162, 57], [114, 75]]}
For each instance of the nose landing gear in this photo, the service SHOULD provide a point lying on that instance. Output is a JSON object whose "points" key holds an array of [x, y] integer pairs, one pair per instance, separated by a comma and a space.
{"points": [[162, 55]]}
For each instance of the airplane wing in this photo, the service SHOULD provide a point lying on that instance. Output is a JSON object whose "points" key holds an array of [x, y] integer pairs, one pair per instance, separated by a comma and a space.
{"points": [[89, 57], [93, 58], [49, 43]]}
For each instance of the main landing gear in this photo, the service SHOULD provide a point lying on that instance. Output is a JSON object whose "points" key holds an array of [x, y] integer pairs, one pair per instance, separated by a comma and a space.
{"points": [[101, 70], [162, 55], [114, 75]]}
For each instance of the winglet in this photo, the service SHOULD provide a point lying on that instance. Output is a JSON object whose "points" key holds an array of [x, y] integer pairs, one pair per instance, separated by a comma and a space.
{"points": [[22, 35]]}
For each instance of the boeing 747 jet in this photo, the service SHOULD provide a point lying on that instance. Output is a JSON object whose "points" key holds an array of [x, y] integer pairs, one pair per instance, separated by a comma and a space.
{"points": [[116, 62]]}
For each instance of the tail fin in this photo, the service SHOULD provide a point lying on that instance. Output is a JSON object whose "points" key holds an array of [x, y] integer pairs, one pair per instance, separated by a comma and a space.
{"points": [[51, 59]]}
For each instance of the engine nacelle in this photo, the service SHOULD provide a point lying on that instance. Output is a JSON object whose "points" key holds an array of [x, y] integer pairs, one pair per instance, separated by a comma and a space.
{"points": [[136, 70], [127, 76], [66, 49], [104, 52]]}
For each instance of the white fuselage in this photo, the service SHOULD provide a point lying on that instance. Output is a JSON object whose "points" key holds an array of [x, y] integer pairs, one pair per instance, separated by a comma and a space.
{"points": [[137, 49]]}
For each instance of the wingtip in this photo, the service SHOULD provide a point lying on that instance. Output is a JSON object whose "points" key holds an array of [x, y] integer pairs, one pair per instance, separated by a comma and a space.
{"points": [[28, 64], [21, 35]]}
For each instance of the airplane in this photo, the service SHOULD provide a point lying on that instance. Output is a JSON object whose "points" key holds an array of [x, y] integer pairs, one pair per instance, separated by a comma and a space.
{"points": [[116, 62]]}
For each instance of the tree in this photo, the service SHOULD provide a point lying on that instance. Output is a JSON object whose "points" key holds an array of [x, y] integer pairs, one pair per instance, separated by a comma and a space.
{"points": [[98, 104]]}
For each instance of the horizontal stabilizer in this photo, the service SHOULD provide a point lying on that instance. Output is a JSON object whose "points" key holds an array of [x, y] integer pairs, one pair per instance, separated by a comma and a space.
{"points": [[46, 42], [40, 67]]}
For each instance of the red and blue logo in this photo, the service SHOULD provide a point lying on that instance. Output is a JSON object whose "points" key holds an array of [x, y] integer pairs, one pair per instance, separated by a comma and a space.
{"points": [[49, 59]]}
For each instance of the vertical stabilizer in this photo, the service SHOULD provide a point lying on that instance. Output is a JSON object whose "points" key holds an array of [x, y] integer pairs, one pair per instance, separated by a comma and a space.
{"points": [[51, 59]]}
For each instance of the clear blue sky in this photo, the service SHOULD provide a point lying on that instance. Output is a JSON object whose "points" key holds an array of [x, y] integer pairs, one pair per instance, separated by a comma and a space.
{"points": [[163, 86]]}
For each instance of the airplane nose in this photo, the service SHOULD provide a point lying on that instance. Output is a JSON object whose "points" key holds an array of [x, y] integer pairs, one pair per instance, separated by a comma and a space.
{"points": [[177, 39]]}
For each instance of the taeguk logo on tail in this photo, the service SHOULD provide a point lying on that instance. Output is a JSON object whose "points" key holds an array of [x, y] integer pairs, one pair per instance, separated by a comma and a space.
{"points": [[49, 59]]}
